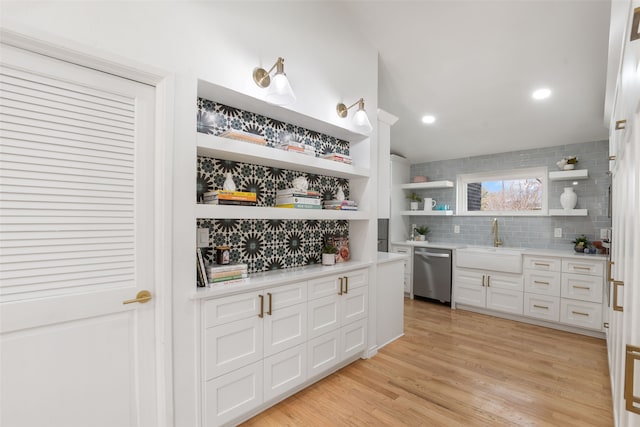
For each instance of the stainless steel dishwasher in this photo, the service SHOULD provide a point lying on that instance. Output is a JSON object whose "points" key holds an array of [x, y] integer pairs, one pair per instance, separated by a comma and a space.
{"points": [[432, 273]]}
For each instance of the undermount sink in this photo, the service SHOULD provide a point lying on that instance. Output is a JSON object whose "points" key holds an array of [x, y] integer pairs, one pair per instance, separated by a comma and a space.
{"points": [[490, 258]]}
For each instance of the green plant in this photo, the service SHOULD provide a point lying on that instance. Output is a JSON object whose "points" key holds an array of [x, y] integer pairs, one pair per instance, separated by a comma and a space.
{"points": [[581, 241], [329, 249], [422, 230], [414, 197]]}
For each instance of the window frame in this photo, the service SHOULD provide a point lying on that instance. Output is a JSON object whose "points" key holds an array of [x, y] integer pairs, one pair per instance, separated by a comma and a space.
{"points": [[511, 174]]}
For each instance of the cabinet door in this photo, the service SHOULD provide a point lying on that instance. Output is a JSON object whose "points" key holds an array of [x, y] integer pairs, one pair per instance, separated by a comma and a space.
{"points": [[232, 345], [542, 307], [356, 279], [504, 281], [233, 395], [506, 300], [581, 313], [284, 371], [323, 352], [353, 305], [582, 287], [542, 283], [285, 328], [469, 287], [285, 296], [323, 286], [218, 311], [353, 338], [324, 315]]}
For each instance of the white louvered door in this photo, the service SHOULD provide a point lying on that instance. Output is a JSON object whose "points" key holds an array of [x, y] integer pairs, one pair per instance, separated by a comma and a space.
{"points": [[76, 240]]}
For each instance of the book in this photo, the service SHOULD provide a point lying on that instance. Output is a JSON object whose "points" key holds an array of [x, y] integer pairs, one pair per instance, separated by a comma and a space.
{"points": [[244, 136], [230, 282], [342, 243], [217, 268], [202, 272], [290, 192], [225, 279], [211, 196], [231, 202], [299, 206], [295, 199], [223, 274]]}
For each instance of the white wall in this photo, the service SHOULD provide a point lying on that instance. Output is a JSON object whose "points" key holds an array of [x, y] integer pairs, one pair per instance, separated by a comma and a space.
{"points": [[220, 42]]}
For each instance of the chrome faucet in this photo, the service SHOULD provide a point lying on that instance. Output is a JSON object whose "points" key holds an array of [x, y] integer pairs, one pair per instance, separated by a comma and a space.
{"points": [[494, 227]]}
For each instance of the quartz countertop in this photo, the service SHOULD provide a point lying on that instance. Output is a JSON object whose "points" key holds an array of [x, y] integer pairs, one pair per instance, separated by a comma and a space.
{"points": [[441, 245], [384, 257]]}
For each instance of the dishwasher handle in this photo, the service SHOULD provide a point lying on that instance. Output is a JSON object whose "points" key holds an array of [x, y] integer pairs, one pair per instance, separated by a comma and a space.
{"points": [[432, 254]]}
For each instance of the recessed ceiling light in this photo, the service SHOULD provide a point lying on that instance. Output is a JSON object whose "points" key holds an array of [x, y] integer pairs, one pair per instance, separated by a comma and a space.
{"points": [[541, 93], [428, 119]]}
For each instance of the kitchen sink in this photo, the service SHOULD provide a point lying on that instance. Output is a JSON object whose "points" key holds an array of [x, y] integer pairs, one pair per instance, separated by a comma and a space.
{"points": [[490, 258]]}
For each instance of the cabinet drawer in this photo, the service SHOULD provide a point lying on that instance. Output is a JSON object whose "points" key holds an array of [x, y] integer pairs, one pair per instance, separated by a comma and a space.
{"points": [[228, 309], [323, 286], [542, 263], [542, 283], [323, 353], [405, 251], [580, 313], [542, 307], [581, 287], [284, 371], [233, 395], [232, 345], [592, 267]]}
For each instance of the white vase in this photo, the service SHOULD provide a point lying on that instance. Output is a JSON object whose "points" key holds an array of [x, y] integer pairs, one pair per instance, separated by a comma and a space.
{"points": [[328, 259], [414, 206], [568, 199]]}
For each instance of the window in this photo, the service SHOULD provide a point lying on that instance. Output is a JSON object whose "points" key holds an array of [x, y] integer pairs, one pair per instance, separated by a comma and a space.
{"points": [[511, 192]]}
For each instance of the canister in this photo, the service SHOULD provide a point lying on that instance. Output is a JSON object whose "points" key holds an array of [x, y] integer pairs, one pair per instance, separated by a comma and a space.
{"points": [[223, 254]]}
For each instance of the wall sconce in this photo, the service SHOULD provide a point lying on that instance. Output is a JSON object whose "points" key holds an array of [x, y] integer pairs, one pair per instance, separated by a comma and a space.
{"points": [[280, 92], [360, 119]]}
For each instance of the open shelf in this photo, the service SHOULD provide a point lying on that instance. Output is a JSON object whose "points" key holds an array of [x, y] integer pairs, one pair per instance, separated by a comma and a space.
{"points": [[240, 151], [426, 213], [564, 212], [568, 175], [427, 185], [258, 212]]}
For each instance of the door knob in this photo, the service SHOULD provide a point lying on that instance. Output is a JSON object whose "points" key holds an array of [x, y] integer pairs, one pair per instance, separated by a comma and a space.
{"points": [[142, 297]]}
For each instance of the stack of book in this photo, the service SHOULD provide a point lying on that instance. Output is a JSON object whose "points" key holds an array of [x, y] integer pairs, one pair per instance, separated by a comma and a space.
{"points": [[244, 136], [337, 157], [224, 197], [345, 205], [227, 274], [297, 147], [291, 198]]}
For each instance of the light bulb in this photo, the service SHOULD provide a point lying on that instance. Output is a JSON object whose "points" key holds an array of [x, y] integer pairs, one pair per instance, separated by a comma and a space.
{"points": [[361, 121], [280, 91], [541, 93]]}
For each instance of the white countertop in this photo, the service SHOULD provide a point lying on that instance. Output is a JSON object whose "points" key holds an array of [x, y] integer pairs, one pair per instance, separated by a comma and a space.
{"points": [[440, 245], [384, 257]]}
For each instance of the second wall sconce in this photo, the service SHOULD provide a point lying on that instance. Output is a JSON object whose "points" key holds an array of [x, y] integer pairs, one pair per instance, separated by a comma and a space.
{"points": [[360, 119], [280, 92]]}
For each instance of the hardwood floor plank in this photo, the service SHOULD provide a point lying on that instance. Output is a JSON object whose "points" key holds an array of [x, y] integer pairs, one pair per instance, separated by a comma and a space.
{"points": [[458, 368]]}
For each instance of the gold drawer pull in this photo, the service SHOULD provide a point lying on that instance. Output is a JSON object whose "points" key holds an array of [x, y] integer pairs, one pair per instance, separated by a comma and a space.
{"points": [[581, 287], [632, 354], [620, 124], [270, 304], [261, 315], [346, 285], [543, 264], [142, 297], [577, 267], [609, 264], [612, 157], [580, 313], [540, 282], [340, 293], [483, 280], [617, 307], [540, 306]]}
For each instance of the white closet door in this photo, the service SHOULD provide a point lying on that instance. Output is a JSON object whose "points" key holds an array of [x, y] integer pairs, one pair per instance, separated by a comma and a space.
{"points": [[76, 240]]}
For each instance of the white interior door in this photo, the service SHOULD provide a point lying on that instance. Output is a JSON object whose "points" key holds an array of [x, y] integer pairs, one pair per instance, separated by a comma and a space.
{"points": [[76, 240]]}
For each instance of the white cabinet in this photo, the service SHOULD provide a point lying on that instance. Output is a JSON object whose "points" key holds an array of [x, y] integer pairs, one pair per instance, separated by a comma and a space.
{"points": [[489, 289], [390, 301], [408, 267], [542, 279]]}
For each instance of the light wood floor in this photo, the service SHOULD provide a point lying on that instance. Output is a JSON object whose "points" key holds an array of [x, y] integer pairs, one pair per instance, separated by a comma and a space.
{"points": [[457, 368]]}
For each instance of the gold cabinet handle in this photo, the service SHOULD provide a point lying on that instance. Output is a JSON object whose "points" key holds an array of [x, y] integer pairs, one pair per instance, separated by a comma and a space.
{"points": [[488, 281], [580, 313], [541, 264], [340, 293], [617, 307], [577, 267], [540, 306], [142, 297], [539, 282], [612, 157], [620, 124], [609, 264], [346, 285], [270, 305], [483, 280], [632, 354], [261, 315], [580, 287]]}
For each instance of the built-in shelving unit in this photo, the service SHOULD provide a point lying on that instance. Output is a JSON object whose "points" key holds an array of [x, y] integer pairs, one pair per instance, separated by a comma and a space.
{"points": [[427, 185], [569, 175], [426, 213], [257, 212], [568, 212]]}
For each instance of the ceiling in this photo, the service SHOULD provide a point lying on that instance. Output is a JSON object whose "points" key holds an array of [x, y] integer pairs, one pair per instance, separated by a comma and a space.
{"points": [[474, 64]]}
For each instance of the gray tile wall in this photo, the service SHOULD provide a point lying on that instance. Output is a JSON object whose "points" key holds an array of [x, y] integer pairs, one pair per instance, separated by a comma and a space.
{"points": [[525, 232]]}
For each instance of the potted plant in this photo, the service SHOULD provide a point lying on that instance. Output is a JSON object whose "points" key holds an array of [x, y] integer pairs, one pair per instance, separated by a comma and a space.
{"points": [[580, 243], [414, 199], [422, 232], [329, 252]]}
